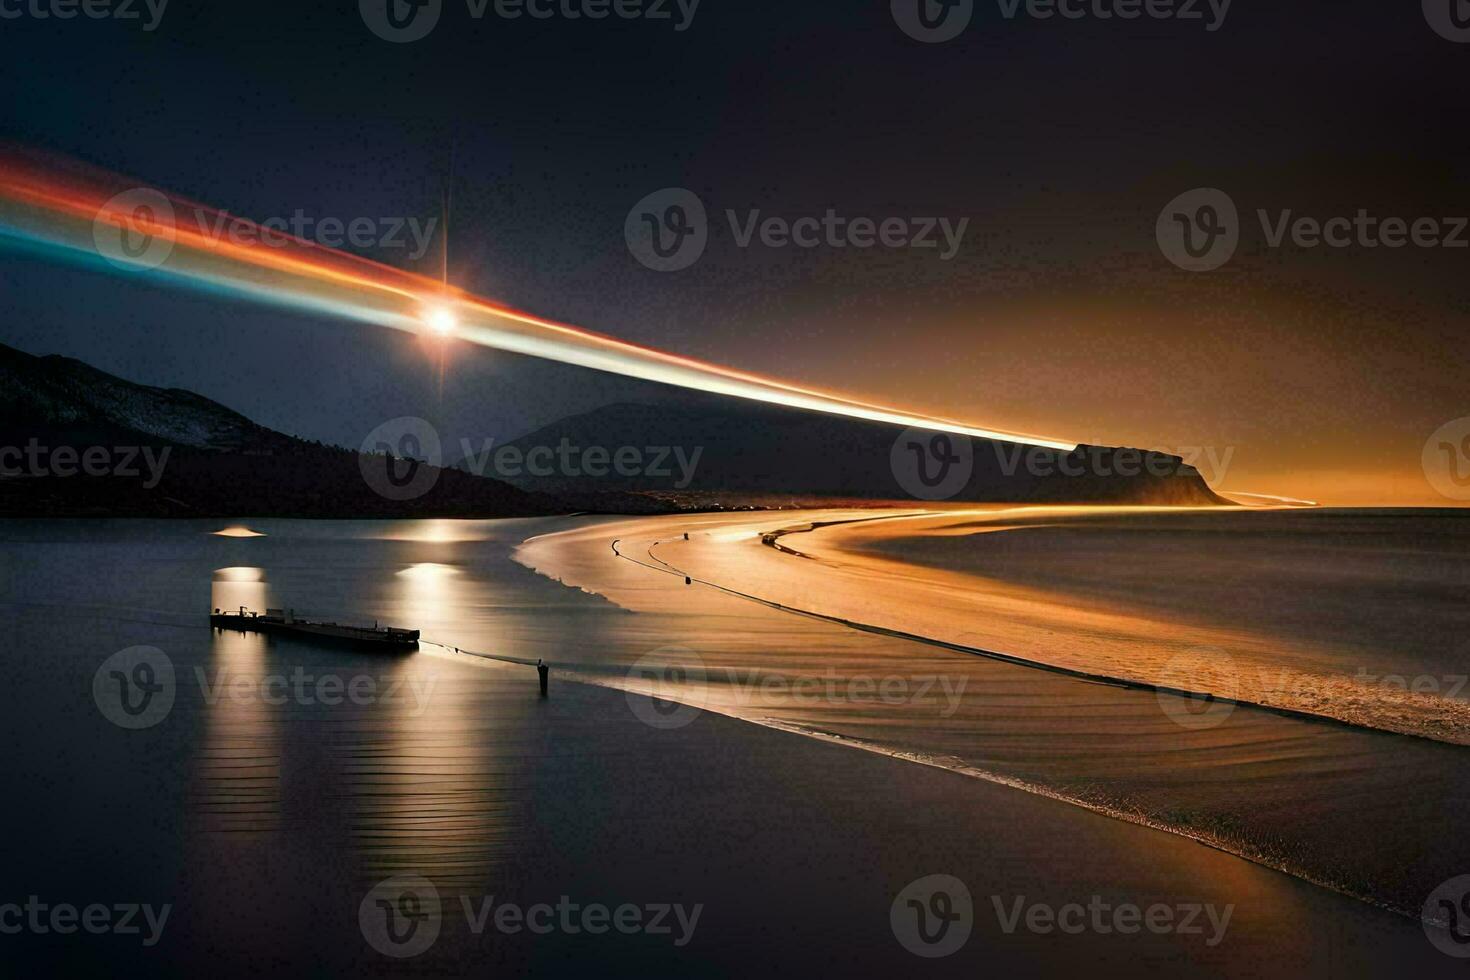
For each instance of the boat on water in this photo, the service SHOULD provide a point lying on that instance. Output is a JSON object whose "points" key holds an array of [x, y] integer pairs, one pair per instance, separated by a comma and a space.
{"points": [[284, 621]]}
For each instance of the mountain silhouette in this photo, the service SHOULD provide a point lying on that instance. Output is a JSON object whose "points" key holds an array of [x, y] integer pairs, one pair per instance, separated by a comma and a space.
{"points": [[166, 452], [747, 453]]}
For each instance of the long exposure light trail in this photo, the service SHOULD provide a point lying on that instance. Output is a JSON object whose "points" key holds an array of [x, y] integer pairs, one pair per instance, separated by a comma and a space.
{"points": [[1276, 498], [103, 221]]}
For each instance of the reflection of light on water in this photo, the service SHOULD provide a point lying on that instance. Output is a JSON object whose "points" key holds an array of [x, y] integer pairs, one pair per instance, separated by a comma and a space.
{"points": [[430, 594], [240, 585], [725, 537], [421, 791], [236, 785], [239, 573], [436, 531], [428, 570], [237, 531]]}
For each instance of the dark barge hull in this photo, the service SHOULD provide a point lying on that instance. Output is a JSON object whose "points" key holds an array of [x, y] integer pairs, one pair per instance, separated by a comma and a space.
{"points": [[361, 637]]}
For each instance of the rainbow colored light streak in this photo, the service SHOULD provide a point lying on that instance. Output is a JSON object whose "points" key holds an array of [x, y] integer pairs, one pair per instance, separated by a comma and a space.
{"points": [[88, 216]]}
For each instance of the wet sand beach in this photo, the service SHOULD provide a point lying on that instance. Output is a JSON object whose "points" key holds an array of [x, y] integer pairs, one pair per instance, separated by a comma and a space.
{"points": [[1371, 813], [290, 811]]}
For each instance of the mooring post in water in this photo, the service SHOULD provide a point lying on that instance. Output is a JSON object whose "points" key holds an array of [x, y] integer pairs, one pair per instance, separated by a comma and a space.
{"points": [[541, 671]]}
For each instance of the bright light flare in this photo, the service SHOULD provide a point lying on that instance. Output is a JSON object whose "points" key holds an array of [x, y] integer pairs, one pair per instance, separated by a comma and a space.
{"points": [[237, 531], [1289, 501], [66, 209], [442, 320]]}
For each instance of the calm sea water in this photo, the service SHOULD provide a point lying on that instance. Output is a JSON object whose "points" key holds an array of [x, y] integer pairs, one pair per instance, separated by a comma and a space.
{"points": [[265, 811], [286, 778], [1361, 615], [1361, 808]]}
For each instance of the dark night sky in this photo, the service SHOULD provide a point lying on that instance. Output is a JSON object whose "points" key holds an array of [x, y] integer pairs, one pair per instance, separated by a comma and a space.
{"points": [[1324, 369]]}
